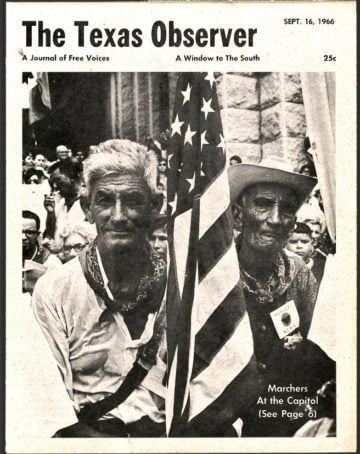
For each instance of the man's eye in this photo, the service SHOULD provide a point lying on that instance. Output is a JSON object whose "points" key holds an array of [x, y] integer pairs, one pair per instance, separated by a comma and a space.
{"points": [[263, 203], [135, 201], [289, 209], [103, 199]]}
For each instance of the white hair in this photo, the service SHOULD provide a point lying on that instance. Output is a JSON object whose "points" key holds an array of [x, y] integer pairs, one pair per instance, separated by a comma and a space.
{"points": [[117, 156]]}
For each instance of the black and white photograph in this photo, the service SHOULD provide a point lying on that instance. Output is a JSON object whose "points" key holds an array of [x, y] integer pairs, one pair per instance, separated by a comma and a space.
{"points": [[184, 176], [175, 225]]}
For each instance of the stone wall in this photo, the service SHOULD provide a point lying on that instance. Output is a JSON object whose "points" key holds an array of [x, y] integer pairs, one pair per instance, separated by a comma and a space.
{"points": [[139, 105], [263, 115]]}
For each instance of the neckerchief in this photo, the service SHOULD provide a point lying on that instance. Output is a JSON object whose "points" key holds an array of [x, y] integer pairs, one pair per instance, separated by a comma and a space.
{"points": [[278, 282], [150, 289]]}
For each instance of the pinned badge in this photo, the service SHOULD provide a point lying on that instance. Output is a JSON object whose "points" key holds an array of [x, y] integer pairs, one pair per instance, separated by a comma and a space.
{"points": [[285, 318]]}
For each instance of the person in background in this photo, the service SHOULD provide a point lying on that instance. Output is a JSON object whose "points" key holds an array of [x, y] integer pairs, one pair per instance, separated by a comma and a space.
{"points": [[308, 169], [235, 159], [33, 252], [301, 243], [315, 227], [165, 139], [80, 155], [74, 243], [64, 213], [305, 170], [30, 238], [162, 166], [162, 189], [154, 146], [321, 247], [28, 163], [63, 154], [39, 161], [158, 237], [37, 176]]}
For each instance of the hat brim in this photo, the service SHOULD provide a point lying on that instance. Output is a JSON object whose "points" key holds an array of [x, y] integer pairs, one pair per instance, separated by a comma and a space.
{"points": [[242, 176]]}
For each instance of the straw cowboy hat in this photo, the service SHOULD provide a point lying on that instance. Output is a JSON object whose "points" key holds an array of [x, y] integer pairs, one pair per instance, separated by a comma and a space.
{"points": [[270, 170]]}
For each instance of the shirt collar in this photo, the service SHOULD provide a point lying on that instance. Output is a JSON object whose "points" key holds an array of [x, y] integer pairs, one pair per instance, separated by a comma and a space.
{"points": [[103, 275]]}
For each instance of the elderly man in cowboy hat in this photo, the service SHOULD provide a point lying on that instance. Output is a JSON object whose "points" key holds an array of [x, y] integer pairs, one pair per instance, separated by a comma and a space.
{"points": [[279, 292], [101, 312]]}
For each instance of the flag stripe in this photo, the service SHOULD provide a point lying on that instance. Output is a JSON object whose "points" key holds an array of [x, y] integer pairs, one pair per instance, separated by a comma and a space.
{"points": [[214, 288], [218, 329], [170, 392], [181, 245], [216, 333], [184, 328], [214, 244], [225, 366], [207, 319], [214, 201]]}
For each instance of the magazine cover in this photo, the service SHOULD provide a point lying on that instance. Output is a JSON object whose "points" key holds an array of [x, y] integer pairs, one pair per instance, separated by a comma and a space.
{"points": [[184, 175]]}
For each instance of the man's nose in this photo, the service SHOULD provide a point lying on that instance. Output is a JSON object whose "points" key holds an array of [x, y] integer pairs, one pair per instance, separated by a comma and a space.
{"points": [[119, 213], [72, 253], [274, 216]]}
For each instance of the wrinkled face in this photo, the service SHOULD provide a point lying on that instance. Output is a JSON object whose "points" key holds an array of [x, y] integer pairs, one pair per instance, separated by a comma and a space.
{"points": [[120, 206], [39, 161], [29, 235], [158, 240], [300, 244], [62, 183], [73, 245], [267, 214]]}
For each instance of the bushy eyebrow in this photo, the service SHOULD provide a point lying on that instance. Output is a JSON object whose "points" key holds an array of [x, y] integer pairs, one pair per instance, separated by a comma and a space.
{"points": [[264, 196], [103, 191]]}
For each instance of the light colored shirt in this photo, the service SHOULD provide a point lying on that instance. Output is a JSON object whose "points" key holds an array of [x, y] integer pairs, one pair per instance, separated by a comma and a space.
{"points": [[40, 404], [93, 348], [68, 219], [32, 199]]}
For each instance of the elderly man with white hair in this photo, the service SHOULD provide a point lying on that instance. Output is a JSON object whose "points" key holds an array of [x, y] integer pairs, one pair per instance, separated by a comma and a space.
{"points": [[102, 313], [279, 292]]}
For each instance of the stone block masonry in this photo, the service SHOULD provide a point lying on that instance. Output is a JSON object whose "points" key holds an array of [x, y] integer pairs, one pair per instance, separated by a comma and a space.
{"points": [[263, 115]]}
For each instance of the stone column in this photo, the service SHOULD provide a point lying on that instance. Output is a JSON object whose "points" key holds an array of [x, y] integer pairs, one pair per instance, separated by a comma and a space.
{"points": [[263, 115], [282, 117], [239, 101], [139, 105]]}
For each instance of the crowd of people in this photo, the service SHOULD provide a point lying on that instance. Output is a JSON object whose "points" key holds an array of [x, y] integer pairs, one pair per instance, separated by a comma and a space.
{"points": [[52, 193], [94, 259]]}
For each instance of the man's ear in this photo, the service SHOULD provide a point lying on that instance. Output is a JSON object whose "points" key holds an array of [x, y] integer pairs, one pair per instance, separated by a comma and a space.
{"points": [[237, 212], [157, 202], [85, 206]]}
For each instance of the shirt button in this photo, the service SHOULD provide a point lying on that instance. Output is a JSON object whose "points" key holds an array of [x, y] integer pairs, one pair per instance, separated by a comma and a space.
{"points": [[261, 366], [263, 328]]}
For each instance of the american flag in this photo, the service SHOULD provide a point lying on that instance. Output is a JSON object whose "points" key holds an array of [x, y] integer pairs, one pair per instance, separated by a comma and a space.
{"points": [[208, 331]]}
